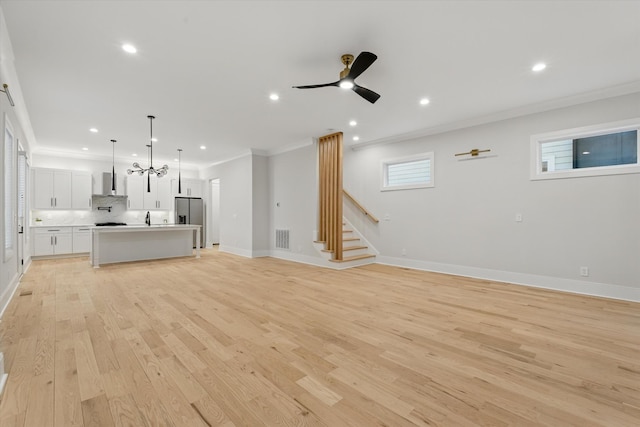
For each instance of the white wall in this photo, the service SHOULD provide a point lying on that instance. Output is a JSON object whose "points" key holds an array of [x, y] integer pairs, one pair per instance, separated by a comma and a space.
{"points": [[214, 213], [294, 201], [260, 206], [236, 200], [466, 223], [22, 133]]}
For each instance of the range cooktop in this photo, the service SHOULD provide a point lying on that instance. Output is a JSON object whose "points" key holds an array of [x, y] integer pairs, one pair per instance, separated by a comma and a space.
{"points": [[109, 224]]}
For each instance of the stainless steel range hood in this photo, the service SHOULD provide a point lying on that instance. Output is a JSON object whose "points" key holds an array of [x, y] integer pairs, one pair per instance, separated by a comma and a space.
{"points": [[106, 187]]}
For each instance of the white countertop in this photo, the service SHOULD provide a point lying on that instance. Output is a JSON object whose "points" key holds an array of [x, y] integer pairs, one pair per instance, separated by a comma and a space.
{"points": [[61, 225], [144, 227]]}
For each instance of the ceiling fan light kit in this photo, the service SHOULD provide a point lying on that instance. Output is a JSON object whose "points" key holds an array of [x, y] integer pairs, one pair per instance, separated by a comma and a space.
{"points": [[352, 69]]}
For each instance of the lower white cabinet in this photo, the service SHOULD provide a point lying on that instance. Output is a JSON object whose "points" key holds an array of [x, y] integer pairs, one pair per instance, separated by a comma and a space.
{"points": [[52, 241], [81, 240]]}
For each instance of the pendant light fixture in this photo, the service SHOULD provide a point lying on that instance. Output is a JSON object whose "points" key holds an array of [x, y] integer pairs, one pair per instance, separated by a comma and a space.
{"points": [[179, 170], [150, 170], [113, 168]]}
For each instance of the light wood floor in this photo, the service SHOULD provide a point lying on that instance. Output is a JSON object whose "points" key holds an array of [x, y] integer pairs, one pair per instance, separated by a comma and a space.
{"points": [[229, 341]]}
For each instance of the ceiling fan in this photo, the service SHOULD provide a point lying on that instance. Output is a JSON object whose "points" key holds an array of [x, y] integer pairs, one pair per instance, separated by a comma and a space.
{"points": [[348, 76]]}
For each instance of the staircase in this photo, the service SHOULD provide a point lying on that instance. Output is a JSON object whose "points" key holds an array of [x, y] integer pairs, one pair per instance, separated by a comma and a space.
{"points": [[355, 249], [337, 241]]}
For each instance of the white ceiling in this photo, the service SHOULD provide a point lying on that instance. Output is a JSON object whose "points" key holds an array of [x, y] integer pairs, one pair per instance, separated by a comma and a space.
{"points": [[205, 69]]}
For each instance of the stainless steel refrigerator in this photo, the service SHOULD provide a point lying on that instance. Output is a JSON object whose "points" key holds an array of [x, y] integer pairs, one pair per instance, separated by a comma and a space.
{"points": [[190, 210]]}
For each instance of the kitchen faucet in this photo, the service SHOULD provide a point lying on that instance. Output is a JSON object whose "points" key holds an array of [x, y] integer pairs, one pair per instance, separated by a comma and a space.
{"points": [[147, 220]]}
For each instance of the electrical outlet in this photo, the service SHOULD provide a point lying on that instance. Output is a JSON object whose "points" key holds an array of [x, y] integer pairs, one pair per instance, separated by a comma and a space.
{"points": [[584, 271], [518, 217], [387, 217]]}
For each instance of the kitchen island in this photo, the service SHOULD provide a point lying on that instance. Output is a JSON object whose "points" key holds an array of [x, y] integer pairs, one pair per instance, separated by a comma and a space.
{"points": [[142, 242]]}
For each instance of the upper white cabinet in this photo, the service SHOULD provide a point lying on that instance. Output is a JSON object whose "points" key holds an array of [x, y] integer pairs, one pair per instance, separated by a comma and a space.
{"points": [[159, 198], [81, 186], [134, 192], [189, 187], [52, 188]]}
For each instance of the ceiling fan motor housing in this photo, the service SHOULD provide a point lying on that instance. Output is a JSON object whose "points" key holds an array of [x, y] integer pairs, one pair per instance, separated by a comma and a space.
{"points": [[347, 59]]}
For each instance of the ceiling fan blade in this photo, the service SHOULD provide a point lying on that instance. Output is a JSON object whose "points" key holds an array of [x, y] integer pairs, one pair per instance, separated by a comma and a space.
{"points": [[315, 86], [367, 94], [362, 62]]}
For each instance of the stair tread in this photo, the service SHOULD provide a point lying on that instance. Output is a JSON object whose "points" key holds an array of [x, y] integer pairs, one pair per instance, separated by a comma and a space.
{"points": [[348, 248], [353, 258], [350, 239], [354, 248]]}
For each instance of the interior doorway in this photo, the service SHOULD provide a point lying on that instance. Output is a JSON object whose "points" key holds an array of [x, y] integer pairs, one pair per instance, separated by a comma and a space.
{"points": [[215, 211], [23, 209]]}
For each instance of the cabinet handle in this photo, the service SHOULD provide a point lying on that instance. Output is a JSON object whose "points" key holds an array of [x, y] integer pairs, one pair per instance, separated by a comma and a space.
{"points": [[51, 240], [51, 203], [55, 201], [128, 203], [55, 238]]}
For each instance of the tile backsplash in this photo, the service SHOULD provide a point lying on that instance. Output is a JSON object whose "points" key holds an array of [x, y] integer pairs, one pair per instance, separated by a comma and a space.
{"points": [[119, 213]]}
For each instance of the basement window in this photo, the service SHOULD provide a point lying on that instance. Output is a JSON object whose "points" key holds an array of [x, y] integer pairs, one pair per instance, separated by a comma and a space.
{"points": [[407, 172], [606, 149]]}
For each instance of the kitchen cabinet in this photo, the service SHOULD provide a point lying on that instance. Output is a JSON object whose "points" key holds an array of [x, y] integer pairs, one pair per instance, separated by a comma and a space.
{"points": [[190, 188], [134, 192], [159, 198], [81, 239], [81, 186], [52, 188], [52, 241]]}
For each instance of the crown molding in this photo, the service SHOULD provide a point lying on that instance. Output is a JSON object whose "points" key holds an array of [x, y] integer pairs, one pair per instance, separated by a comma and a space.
{"points": [[568, 101]]}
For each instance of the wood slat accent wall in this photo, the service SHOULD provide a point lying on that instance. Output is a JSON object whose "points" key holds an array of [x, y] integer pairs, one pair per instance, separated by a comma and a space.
{"points": [[330, 193]]}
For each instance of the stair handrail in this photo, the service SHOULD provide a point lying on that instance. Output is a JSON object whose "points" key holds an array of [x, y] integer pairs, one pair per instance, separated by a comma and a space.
{"points": [[359, 206]]}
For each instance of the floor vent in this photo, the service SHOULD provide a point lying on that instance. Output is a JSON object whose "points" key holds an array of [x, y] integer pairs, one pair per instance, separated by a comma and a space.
{"points": [[282, 239]]}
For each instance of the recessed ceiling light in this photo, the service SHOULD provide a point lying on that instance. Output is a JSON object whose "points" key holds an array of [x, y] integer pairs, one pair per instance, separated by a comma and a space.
{"points": [[539, 67], [85, 149], [274, 97], [353, 123], [134, 155], [94, 130], [154, 139], [202, 147], [175, 160], [129, 48], [356, 138], [424, 101], [586, 152]]}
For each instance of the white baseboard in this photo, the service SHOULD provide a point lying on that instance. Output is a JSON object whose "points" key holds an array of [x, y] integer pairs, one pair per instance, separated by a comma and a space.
{"points": [[6, 296], [236, 251], [260, 254], [3, 374], [625, 293], [310, 260]]}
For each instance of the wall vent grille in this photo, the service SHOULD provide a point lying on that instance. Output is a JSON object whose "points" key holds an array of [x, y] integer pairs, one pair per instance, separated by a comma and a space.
{"points": [[282, 239]]}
